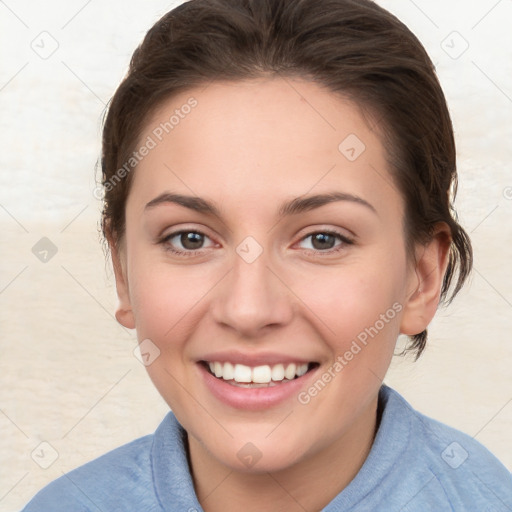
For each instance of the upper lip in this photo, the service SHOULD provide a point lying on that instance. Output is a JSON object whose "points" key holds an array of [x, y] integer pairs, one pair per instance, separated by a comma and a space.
{"points": [[259, 359]]}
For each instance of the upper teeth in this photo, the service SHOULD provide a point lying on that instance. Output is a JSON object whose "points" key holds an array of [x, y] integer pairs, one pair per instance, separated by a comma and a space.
{"points": [[259, 374]]}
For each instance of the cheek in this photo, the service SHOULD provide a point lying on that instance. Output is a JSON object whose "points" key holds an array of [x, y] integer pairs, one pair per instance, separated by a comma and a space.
{"points": [[168, 300], [357, 310], [348, 301]]}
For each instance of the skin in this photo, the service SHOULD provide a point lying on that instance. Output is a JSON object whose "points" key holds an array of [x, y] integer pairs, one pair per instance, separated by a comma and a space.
{"points": [[249, 146]]}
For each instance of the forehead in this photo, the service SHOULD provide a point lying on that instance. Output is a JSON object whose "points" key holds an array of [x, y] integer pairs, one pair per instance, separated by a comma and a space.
{"points": [[262, 140]]}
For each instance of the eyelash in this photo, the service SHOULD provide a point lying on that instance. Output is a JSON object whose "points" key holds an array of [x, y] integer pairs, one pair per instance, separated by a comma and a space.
{"points": [[191, 252]]}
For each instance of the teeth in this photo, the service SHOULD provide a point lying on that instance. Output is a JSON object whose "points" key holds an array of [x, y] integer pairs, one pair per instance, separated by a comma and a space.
{"points": [[261, 374], [277, 372], [228, 371], [289, 373], [264, 374], [242, 373], [301, 370]]}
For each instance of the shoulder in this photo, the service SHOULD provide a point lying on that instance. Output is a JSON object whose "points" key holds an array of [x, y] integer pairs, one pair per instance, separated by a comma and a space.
{"points": [[126, 469], [468, 475]]}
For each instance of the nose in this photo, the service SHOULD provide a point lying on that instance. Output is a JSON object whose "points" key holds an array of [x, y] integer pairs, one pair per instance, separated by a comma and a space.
{"points": [[252, 298]]}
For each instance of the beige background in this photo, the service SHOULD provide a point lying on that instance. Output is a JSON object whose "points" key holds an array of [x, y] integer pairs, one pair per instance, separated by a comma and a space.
{"points": [[67, 369]]}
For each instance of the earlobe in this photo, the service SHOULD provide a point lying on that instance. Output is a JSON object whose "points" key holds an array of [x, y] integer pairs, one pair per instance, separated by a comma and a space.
{"points": [[124, 314], [426, 283], [125, 317]]}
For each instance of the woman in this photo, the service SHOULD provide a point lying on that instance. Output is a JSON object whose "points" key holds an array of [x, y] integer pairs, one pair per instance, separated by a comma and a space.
{"points": [[277, 181]]}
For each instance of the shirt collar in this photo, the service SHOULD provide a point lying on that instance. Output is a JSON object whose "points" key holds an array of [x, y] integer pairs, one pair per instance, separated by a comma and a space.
{"points": [[175, 489], [171, 474], [388, 447]]}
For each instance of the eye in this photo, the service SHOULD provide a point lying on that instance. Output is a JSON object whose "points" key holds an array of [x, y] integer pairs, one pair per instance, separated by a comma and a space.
{"points": [[325, 241], [185, 242]]}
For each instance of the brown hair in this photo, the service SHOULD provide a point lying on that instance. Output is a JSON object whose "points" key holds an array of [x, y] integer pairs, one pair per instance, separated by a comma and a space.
{"points": [[353, 47]]}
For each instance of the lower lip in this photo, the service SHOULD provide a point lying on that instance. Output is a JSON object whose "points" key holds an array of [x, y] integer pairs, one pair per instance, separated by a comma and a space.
{"points": [[253, 398]]}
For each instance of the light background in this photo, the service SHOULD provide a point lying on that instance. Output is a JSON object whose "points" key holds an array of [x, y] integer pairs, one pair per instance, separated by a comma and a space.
{"points": [[68, 373]]}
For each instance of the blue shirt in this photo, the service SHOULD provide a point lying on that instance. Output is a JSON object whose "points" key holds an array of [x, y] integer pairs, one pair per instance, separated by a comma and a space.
{"points": [[416, 464]]}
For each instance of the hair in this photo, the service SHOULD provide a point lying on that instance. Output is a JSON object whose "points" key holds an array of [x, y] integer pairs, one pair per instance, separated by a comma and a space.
{"points": [[354, 48]]}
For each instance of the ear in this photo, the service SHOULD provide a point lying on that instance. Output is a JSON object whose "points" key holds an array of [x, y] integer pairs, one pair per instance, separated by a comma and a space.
{"points": [[124, 313], [426, 281]]}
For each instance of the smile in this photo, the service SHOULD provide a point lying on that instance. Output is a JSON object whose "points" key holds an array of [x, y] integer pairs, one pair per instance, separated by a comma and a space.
{"points": [[257, 376]]}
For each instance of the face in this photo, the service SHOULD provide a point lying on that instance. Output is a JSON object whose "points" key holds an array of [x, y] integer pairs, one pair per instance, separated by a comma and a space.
{"points": [[264, 243]]}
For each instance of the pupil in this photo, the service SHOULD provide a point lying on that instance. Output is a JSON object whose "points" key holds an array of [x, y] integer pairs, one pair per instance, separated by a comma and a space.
{"points": [[191, 240], [325, 241]]}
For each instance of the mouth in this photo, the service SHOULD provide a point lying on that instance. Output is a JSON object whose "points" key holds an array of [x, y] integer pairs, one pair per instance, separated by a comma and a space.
{"points": [[262, 376]]}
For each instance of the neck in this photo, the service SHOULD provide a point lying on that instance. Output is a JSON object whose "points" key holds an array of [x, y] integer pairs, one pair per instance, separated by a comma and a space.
{"points": [[310, 484]]}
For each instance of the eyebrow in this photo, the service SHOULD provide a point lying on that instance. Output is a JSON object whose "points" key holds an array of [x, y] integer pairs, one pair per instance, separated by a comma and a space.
{"points": [[293, 207]]}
